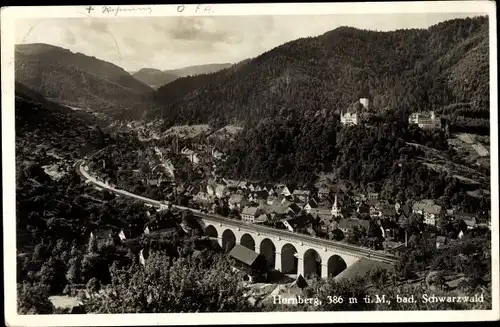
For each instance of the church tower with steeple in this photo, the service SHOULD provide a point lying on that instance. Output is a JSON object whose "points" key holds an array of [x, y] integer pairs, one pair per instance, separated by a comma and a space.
{"points": [[335, 208]]}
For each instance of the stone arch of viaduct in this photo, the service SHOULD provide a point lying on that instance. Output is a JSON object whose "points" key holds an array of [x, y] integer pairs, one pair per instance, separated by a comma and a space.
{"points": [[283, 253]]}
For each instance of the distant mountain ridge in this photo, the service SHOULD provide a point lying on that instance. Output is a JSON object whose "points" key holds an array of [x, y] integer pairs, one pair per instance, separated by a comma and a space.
{"points": [[156, 78], [438, 68], [78, 79]]}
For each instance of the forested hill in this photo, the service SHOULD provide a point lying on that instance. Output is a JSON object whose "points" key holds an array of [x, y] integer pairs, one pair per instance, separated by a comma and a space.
{"points": [[199, 69], [77, 79], [444, 67], [42, 125], [156, 78]]}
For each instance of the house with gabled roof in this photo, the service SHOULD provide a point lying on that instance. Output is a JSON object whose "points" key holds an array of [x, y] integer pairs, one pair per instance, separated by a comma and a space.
{"points": [[203, 197], [293, 208], [347, 225], [282, 189], [310, 205], [301, 195], [262, 218], [271, 199], [103, 236], [237, 201], [470, 219], [249, 214], [429, 209], [270, 190], [251, 263]]}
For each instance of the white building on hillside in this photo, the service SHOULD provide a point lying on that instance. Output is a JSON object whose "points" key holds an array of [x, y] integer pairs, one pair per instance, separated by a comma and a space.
{"points": [[352, 115], [425, 120]]}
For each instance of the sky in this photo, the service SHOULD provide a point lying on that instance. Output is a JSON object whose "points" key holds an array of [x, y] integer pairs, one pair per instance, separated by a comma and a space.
{"points": [[175, 42]]}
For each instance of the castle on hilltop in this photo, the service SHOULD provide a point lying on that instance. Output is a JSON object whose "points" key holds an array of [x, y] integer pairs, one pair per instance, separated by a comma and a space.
{"points": [[352, 115]]}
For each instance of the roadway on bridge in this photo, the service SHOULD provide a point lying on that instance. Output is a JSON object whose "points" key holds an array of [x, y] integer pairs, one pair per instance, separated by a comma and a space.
{"points": [[368, 253]]}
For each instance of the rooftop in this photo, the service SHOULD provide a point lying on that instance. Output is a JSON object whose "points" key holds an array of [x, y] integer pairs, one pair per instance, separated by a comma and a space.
{"points": [[352, 222], [360, 269], [243, 254], [427, 206], [249, 211]]}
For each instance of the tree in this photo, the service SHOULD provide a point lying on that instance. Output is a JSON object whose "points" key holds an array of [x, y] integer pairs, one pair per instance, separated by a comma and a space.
{"points": [[73, 275], [179, 285], [92, 246], [356, 235], [33, 299], [93, 285], [52, 273], [337, 235], [415, 224]]}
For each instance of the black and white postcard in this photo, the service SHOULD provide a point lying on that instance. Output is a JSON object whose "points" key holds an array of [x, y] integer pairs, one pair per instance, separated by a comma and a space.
{"points": [[250, 163]]}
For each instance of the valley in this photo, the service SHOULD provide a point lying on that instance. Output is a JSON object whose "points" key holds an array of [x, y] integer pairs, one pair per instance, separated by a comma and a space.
{"points": [[355, 163]]}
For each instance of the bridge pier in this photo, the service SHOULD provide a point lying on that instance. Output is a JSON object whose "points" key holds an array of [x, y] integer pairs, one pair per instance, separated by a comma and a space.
{"points": [[277, 261], [300, 267], [324, 270], [327, 257]]}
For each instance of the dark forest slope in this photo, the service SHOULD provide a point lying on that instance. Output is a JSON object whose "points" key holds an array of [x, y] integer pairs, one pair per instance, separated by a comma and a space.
{"points": [[405, 70], [42, 125], [77, 79]]}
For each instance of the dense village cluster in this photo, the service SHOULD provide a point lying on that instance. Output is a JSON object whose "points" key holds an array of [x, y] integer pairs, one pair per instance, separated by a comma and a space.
{"points": [[324, 211]]}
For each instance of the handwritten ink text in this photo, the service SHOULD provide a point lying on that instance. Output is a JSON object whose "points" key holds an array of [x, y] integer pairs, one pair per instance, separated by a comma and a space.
{"points": [[116, 10], [204, 9]]}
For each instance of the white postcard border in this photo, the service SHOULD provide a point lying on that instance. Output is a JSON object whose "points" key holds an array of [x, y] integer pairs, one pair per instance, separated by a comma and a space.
{"points": [[10, 14]]}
